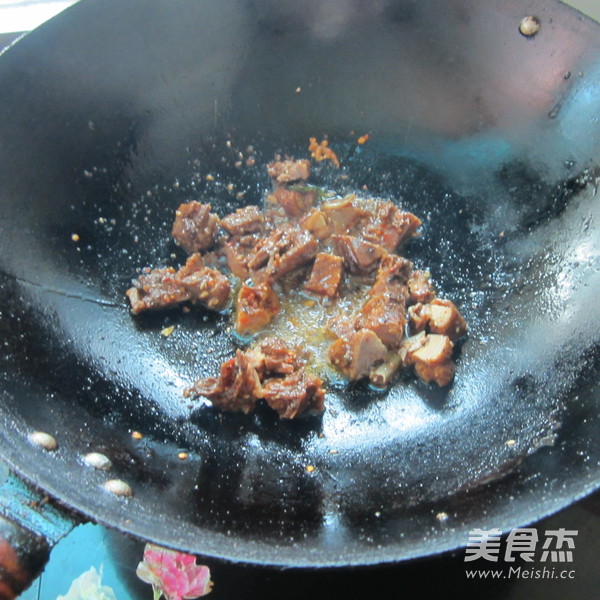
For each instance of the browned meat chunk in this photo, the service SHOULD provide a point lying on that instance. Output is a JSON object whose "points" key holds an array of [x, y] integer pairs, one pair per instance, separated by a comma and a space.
{"points": [[431, 357], [255, 308], [162, 288], [326, 275], [195, 227], [359, 256], [272, 371], [446, 320], [409, 345], [288, 171], [356, 355], [156, 289], [439, 316], [385, 312], [420, 287], [343, 325], [316, 222], [294, 202], [418, 317], [285, 249], [389, 226], [385, 316], [343, 215], [236, 259], [382, 374], [244, 220], [209, 287], [193, 264], [204, 285], [294, 394], [274, 357], [237, 389], [392, 277], [237, 251]]}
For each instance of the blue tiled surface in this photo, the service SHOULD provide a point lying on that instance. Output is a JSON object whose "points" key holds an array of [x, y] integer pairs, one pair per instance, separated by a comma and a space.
{"points": [[118, 555], [114, 554]]}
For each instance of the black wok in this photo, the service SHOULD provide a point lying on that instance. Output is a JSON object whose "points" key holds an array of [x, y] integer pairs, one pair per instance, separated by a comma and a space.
{"points": [[116, 111]]}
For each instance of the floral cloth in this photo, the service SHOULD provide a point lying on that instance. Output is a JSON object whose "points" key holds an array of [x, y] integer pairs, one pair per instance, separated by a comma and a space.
{"points": [[88, 586], [174, 575]]}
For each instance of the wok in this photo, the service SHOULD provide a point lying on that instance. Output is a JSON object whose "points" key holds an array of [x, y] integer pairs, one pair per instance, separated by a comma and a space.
{"points": [[115, 112]]}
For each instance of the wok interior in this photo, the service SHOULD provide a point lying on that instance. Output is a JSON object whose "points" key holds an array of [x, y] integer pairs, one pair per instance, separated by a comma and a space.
{"points": [[111, 148]]}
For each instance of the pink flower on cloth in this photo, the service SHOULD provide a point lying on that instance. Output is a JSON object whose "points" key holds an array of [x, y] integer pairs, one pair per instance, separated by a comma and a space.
{"points": [[174, 575]]}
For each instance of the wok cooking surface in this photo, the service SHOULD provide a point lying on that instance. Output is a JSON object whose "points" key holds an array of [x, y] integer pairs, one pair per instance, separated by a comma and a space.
{"points": [[509, 234]]}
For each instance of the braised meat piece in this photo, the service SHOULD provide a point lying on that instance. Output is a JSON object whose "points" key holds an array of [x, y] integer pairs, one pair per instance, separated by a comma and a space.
{"points": [[243, 221], [342, 325], [274, 357], [294, 202], [193, 264], [163, 288], [343, 215], [285, 249], [439, 316], [356, 355], [431, 356], [204, 285], [236, 259], [384, 313], [316, 222], [195, 227], [326, 275], [237, 251], [256, 307], [389, 226], [359, 256], [446, 320], [418, 317], [209, 287], [392, 277], [289, 171], [272, 371], [294, 394], [237, 389], [156, 289], [385, 316], [382, 374], [420, 287]]}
